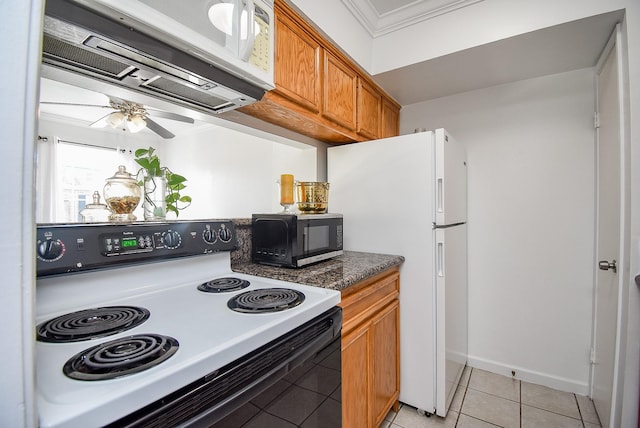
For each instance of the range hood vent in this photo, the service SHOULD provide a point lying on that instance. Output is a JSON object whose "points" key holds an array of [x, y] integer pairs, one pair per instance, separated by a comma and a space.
{"points": [[116, 54]]}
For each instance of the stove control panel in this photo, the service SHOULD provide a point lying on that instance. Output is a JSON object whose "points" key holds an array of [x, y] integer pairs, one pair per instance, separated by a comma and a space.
{"points": [[66, 248]]}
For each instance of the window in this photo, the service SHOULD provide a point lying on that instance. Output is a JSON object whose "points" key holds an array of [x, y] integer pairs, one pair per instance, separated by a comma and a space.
{"points": [[69, 173]]}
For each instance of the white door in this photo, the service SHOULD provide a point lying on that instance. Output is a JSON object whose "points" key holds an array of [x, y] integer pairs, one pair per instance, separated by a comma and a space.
{"points": [[608, 234]]}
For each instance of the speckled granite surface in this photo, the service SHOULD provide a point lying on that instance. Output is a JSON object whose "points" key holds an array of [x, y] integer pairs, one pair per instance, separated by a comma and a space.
{"points": [[337, 274]]}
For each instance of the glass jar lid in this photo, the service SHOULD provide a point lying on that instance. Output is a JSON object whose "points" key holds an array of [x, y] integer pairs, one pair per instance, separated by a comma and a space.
{"points": [[122, 175]]}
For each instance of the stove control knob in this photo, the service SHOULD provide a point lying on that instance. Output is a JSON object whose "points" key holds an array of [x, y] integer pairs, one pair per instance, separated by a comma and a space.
{"points": [[171, 239], [209, 235], [224, 234], [51, 250]]}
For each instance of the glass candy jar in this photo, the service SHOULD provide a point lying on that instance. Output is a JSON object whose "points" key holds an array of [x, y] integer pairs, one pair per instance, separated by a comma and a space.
{"points": [[95, 212], [122, 193]]}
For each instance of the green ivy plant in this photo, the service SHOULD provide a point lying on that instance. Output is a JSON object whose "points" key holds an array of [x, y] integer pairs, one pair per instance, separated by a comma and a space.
{"points": [[150, 167]]}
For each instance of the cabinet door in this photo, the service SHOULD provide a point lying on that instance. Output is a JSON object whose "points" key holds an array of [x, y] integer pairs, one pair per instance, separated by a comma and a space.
{"points": [[355, 379], [369, 104], [385, 361], [297, 64], [390, 119], [339, 92]]}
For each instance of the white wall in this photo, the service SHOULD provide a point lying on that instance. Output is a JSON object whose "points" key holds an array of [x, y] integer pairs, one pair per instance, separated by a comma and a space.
{"points": [[629, 389], [531, 214], [336, 22], [232, 175], [18, 73]]}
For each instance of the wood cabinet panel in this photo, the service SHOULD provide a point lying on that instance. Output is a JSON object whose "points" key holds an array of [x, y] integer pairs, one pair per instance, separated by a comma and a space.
{"points": [[367, 298], [339, 92], [317, 87], [355, 357], [386, 364], [370, 350], [298, 59], [389, 119], [369, 110]]}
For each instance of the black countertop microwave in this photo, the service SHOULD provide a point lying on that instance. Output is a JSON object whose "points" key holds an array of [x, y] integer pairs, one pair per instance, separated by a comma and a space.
{"points": [[295, 240]]}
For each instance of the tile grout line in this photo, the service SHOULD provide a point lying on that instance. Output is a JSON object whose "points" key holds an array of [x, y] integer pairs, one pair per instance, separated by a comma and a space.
{"points": [[466, 388], [579, 410], [520, 400]]}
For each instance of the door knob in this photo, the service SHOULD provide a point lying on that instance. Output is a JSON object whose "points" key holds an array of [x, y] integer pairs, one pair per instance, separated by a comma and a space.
{"points": [[606, 265]]}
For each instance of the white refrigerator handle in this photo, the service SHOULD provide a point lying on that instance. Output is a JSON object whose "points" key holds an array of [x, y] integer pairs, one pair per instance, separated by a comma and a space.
{"points": [[440, 195], [440, 259]]}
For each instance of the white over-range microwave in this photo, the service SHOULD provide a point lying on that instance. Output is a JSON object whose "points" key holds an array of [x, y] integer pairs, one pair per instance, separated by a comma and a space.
{"points": [[214, 55], [236, 32]]}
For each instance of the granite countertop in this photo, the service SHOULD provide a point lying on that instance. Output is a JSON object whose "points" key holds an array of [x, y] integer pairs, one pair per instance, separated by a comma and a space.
{"points": [[336, 274]]}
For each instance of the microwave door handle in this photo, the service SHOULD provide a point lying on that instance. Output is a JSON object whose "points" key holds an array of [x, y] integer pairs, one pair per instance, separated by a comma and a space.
{"points": [[247, 20], [305, 242]]}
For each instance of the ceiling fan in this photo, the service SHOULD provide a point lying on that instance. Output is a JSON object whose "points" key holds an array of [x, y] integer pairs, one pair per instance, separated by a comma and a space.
{"points": [[130, 116]]}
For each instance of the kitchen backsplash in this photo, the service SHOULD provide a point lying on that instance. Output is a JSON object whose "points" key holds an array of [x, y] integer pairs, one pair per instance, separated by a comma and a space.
{"points": [[243, 235]]}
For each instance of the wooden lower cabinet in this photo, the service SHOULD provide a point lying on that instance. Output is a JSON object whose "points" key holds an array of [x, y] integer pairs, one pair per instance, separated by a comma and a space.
{"points": [[370, 350]]}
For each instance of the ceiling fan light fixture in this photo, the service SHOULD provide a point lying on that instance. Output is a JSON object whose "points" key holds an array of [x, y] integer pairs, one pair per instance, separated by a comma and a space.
{"points": [[115, 119], [136, 123]]}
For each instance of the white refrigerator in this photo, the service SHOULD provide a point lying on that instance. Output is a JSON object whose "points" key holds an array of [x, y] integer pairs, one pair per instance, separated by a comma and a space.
{"points": [[407, 195]]}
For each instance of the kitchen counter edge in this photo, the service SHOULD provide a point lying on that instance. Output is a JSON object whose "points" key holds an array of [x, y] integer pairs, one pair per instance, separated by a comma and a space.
{"points": [[336, 274]]}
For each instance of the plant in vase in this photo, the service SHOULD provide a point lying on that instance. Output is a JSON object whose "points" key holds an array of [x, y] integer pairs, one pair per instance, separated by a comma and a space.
{"points": [[161, 186]]}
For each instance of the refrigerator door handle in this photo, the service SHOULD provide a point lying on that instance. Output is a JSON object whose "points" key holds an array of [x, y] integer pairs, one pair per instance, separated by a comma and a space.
{"points": [[440, 259], [440, 195], [446, 226]]}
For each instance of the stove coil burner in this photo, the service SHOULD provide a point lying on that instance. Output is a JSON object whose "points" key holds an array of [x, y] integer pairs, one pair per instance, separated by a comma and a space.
{"points": [[222, 285], [121, 357], [266, 300], [91, 324]]}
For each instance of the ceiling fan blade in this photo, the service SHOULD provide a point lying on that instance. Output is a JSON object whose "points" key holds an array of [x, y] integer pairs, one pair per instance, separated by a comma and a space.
{"points": [[161, 131], [73, 104], [168, 115], [100, 123]]}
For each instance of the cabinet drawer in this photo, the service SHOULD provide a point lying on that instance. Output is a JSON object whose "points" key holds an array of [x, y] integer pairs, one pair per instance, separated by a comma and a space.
{"points": [[364, 299]]}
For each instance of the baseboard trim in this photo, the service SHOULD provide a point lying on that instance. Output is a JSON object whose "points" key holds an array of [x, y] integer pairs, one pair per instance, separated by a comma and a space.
{"points": [[555, 382]]}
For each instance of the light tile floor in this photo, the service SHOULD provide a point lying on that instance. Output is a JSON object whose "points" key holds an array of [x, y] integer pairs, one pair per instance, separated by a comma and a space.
{"points": [[488, 400]]}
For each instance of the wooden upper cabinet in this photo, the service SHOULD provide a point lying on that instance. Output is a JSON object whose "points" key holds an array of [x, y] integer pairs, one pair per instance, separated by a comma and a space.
{"points": [[320, 92], [339, 92], [369, 110], [297, 75], [389, 119]]}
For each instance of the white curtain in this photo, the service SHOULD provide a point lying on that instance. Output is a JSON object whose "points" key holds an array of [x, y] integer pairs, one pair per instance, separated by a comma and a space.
{"points": [[48, 200]]}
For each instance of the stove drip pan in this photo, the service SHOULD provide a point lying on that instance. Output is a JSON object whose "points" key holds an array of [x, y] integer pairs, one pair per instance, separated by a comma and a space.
{"points": [[91, 324], [223, 285], [266, 300], [121, 357]]}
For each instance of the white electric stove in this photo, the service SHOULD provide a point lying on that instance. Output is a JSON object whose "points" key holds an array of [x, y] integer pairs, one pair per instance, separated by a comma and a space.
{"points": [[191, 328]]}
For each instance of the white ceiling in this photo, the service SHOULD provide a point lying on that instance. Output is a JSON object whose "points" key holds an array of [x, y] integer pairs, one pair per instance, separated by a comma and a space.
{"points": [[552, 50], [557, 49], [379, 17]]}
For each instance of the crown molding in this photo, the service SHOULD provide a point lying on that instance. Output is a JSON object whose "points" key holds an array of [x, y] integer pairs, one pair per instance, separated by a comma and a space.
{"points": [[420, 10]]}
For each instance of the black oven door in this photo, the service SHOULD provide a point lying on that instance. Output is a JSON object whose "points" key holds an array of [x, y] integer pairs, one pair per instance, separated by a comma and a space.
{"points": [[294, 380]]}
